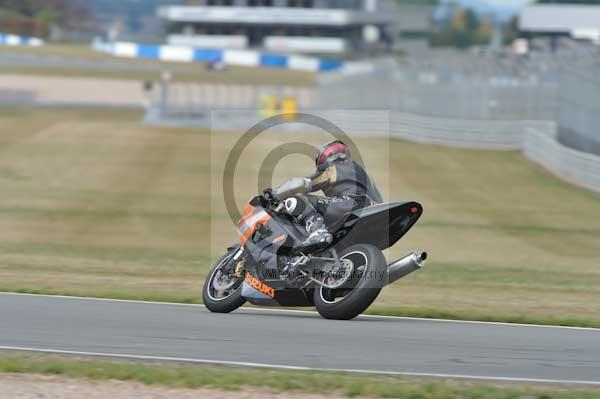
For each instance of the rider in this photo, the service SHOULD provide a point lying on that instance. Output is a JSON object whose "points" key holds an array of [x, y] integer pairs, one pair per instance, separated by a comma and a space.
{"points": [[345, 184]]}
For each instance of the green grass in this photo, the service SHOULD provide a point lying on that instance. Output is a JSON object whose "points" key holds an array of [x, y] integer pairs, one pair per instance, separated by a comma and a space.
{"points": [[181, 72], [230, 378], [94, 203]]}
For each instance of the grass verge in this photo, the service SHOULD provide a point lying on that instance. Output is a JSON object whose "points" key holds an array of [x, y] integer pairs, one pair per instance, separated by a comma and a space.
{"points": [[231, 378]]}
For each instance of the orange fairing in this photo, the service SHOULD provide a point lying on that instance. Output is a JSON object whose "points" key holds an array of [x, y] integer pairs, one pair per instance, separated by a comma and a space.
{"points": [[252, 218], [259, 285]]}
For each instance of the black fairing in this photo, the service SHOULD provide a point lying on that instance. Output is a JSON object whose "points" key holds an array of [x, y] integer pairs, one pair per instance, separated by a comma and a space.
{"points": [[381, 225], [263, 250]]}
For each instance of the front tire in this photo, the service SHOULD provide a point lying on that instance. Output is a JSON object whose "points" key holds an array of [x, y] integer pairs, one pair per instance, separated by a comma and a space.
{"points": [[359, 290], [222, 292]]}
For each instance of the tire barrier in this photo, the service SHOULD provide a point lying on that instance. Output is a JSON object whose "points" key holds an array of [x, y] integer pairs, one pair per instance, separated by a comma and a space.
{"points": [[6, 39]]}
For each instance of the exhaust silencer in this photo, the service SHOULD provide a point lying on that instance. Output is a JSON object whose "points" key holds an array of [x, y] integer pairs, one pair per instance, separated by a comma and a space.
{"points": [[406, 265]]}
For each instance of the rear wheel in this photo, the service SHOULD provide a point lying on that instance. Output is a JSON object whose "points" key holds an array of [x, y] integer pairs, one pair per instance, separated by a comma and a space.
{"points": [[222, 292], [353, 287]]}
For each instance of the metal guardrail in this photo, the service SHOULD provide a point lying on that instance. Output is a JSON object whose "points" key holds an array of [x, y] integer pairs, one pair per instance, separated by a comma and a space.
{"points": [[542, 147], [579, 105], [463, 133], [191, 104]]}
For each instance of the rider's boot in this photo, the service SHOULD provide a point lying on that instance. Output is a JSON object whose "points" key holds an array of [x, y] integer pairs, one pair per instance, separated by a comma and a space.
{"points": [[318, 235], [318, 238], [304, 212]]}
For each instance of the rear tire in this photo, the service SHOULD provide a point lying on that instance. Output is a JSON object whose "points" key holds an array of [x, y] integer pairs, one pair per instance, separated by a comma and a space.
{"points": [[359, 292], [222, 301]]}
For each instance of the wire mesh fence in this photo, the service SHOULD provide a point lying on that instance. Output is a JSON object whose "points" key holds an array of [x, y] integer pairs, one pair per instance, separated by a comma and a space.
{"points": [[453, 85]]}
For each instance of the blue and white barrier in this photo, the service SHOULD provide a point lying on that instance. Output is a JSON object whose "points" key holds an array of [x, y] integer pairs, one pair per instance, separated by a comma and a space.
{"points": [[249, 58], [6, 39]]}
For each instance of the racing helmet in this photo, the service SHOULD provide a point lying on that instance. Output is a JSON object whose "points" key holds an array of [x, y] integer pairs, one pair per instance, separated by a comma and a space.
{"points": [[334, 151]]}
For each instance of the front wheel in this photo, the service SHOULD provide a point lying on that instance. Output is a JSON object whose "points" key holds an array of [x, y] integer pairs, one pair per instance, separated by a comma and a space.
{"points": [[222, 292], [353, 288]]}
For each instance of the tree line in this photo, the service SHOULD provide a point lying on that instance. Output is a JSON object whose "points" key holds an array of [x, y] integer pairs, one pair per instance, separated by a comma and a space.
{"points": [[37, 17]]}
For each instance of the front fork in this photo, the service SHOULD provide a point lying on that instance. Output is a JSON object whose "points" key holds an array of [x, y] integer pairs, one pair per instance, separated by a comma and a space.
{"points": [[240, 266]]}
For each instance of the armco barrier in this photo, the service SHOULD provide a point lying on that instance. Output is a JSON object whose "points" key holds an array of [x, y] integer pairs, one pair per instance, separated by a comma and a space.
{"points": [[580, 168], [6, 39], [187, 101], [248, 58], [462, 133]]}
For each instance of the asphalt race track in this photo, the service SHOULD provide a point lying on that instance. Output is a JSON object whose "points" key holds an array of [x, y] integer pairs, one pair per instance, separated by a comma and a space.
{"points": [[257, 337]]}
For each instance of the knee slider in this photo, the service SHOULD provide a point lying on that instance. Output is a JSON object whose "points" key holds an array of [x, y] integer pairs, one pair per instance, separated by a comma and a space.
{"points": [[294, 206], [291, 204]]}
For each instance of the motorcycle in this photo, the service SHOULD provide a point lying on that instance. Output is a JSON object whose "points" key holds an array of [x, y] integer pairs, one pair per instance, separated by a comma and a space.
{"points": [[269, 266]]}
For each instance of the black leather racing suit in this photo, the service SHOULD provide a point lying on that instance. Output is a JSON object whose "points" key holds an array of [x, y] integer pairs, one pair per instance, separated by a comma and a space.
{"points": [[346, 186]]}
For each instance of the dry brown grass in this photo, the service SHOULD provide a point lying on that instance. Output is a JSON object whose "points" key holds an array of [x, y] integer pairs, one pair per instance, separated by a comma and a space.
{"points": [[93, 203]]}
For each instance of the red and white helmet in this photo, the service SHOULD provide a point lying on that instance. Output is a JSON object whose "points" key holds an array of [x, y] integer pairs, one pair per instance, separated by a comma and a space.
{"points": [[334, 151]]}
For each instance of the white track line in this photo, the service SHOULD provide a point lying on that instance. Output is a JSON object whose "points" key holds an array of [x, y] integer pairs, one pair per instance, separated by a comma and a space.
{"points": [[275, 310], [301, 368]]}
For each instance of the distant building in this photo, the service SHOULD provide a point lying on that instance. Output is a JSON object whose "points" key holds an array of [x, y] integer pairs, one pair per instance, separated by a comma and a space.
{"points": [[314, 26], [554, 20]]}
